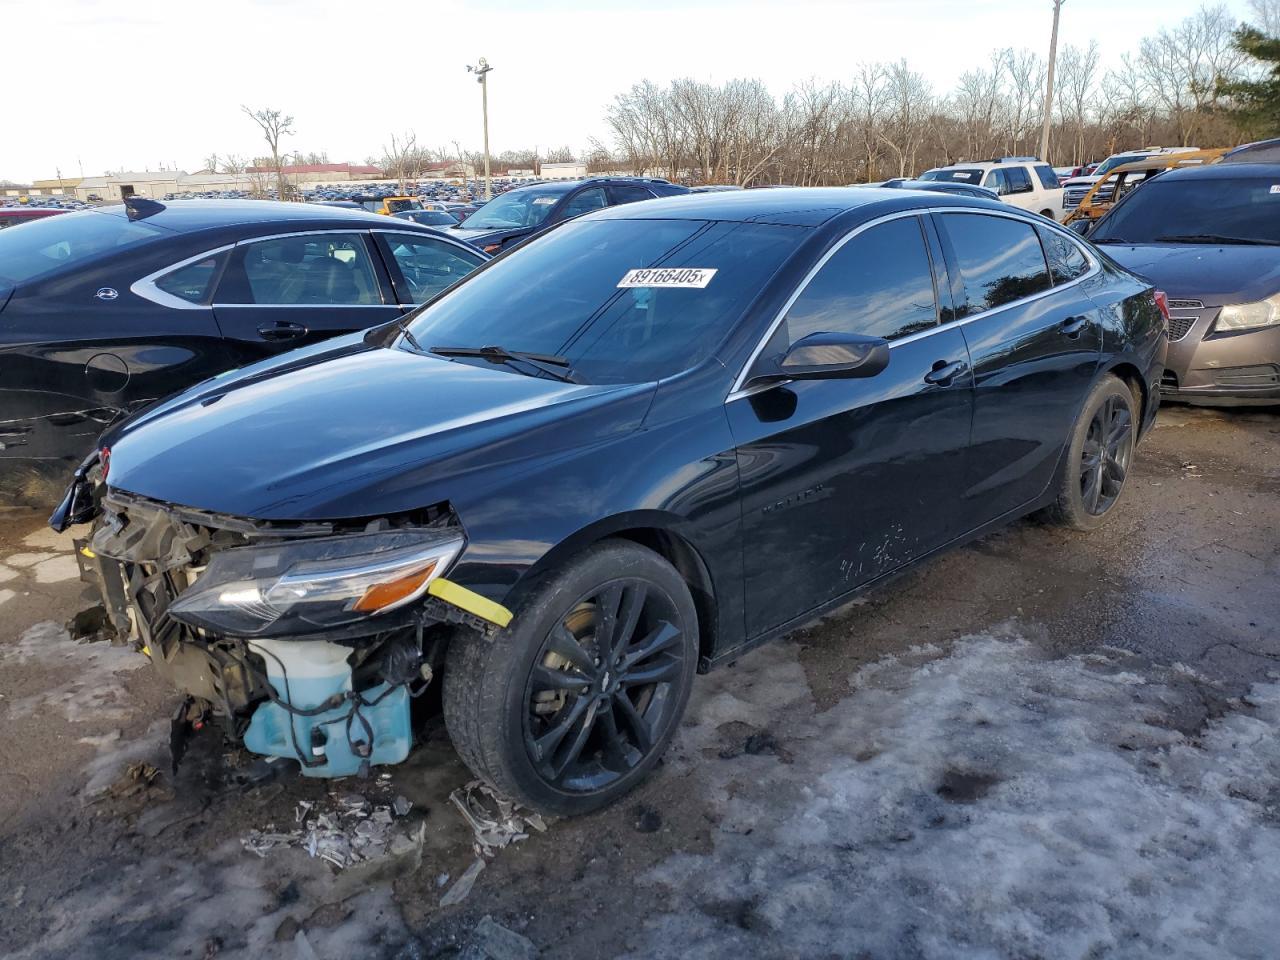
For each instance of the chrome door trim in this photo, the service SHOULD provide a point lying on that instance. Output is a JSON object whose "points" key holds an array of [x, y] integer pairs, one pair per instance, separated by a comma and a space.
{"points": [[146, 286]]}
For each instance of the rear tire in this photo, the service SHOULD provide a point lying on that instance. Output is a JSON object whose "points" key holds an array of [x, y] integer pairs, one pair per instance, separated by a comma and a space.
{"points": [[1099, 455], [573, 704]]}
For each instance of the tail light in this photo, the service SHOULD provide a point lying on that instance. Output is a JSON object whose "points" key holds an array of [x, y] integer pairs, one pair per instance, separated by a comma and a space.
{"points": [[105, 458], [1162, 301]]}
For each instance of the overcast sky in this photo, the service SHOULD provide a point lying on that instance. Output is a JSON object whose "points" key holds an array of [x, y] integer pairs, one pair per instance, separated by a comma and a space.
{"points": [[90, 85]]}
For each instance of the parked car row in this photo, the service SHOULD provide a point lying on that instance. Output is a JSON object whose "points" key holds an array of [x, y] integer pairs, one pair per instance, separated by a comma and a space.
{"points": [[643, 438]]}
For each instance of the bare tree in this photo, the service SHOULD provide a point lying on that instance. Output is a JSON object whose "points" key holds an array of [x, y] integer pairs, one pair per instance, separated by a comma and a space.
{"points": [[1077, 83], [1265, 15], [274, 125]]}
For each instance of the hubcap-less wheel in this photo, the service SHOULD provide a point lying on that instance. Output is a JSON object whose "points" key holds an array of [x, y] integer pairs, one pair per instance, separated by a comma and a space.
{"points": [[603, 688], [1104, 460]]}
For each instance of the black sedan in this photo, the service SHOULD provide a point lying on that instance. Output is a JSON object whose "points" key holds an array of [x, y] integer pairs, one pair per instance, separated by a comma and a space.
{"points": [[1210, 237], [515, 216], [621, 454], [104, 311]]}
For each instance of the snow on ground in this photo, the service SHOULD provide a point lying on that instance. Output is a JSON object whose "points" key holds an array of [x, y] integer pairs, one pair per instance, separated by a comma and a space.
{"points": [[989, 803]]}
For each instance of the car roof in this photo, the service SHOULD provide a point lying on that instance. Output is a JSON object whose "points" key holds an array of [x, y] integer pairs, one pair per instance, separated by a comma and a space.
{"points": [[184, 216], [1225, 171], [795, 206]]}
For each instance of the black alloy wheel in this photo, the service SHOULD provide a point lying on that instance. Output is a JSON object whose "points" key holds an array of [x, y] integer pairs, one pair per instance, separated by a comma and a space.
{"points": [[574, 703], [602, 684], [1104, 461]]}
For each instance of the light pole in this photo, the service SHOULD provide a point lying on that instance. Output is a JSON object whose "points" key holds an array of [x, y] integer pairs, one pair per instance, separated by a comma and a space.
{"points": [[481, 70], [1048, 86]]}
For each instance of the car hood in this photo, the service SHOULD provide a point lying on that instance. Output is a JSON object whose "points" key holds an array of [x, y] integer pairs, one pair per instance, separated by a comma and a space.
{"points": [[1215, 275], [356, 432], [487, 235]]}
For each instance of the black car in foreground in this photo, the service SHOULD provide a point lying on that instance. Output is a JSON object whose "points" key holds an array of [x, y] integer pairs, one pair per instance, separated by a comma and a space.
{"points": [[1210, 238], [106, 310], [519, 214], [623, 453]]}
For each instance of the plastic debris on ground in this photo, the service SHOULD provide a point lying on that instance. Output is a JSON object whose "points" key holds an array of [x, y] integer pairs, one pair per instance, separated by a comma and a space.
{"points": [[462, 888], [343, 829], [496, 821], [501, 943]]}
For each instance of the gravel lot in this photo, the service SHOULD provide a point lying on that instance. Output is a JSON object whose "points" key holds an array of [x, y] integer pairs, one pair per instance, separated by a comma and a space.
{"points": [[1046, 744]]}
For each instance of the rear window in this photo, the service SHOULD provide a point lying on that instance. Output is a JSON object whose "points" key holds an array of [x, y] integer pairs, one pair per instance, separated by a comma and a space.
{"points": [[1196, 210], [53, 243]]}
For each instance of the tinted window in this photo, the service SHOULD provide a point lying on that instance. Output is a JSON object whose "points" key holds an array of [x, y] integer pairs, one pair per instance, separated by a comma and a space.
{"points": [[879, 284], [563, 295], [628, 193], [1048, 179], [1000, 259], [584, 202], [321, 268], [428, 266], [1244, 209], [68, 239], [1066, 260], [190, 283], [1019, 179]]}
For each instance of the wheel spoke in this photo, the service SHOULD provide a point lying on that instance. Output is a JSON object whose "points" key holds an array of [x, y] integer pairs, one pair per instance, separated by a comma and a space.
{"points": [[662, 672], [546, 745], [574, 750], [633, 599], [662, 636], [642, 734], [1093, 490], [549, 678], [566, 645], [614, 742], [606, 630]]}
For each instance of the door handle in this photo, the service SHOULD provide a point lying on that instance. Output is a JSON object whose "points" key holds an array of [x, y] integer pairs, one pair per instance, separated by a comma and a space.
{"points": [[943, 372], [1072, 327], [281, 330]]}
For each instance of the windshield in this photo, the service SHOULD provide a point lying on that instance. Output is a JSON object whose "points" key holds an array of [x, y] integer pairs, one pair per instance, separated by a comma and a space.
{"points": [[519, 208], [1117, 160], [963, 176], [1245, 209], [44, 245], [579, 292], [402, 203]]}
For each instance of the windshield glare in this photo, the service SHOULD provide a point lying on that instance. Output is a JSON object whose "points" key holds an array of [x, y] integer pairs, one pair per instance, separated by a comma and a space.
{"points": [[519, 208], [1111, 163], [1243, 208], [31, 250], [563, 295], [961, 176]]}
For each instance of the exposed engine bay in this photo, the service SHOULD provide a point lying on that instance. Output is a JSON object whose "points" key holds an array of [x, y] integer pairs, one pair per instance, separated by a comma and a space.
{"points": [[305, 641]]}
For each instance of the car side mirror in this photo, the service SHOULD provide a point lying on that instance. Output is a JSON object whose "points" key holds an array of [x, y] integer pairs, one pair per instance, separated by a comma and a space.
{"points": [[1081, 227], [828, 356]]}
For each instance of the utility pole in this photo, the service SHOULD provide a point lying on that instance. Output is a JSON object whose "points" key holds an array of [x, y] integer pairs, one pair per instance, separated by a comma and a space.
{"points": [[481, 71], [1048, 85]]}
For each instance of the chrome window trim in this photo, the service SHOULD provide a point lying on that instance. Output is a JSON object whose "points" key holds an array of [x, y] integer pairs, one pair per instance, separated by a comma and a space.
{"points": [[739, 391], [146, 286]]}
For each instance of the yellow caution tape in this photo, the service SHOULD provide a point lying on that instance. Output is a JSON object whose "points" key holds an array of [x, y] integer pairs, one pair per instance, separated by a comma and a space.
{"points": [[470, 601]]}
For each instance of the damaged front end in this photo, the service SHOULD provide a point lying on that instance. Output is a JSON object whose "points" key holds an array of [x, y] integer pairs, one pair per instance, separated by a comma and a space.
{"points": [[305, 641]]}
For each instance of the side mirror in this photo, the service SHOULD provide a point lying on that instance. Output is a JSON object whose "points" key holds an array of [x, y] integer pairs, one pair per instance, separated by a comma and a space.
{"points": [[1081, 226], [829, 356]]}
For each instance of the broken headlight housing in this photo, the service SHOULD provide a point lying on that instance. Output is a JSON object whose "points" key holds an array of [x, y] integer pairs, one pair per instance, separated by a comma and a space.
{"points": [[307, 586]]}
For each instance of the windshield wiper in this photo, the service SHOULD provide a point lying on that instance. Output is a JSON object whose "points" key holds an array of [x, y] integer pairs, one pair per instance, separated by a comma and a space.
{"points": [[543, 362], [408, 334], [1216, 238]]}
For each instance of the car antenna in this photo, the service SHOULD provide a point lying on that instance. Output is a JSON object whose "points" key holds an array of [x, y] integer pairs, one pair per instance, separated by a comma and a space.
{"points": [[139, 208]]}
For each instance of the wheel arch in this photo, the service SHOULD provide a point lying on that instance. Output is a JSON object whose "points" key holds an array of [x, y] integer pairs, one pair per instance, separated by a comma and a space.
{"points": [[1131, 376], [654, 530]]}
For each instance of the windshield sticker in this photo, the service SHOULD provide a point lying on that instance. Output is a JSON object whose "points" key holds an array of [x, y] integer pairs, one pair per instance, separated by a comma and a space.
{"points": [[544, 201], [693, 277], [1275, 188]]}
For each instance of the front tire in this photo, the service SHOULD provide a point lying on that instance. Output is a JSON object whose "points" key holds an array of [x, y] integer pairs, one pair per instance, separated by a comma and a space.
{"points": [[1099, 456], [573, 704]]}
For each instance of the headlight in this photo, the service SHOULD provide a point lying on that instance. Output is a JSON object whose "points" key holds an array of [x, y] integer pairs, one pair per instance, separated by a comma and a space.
{"points": [[305, 586], [1249, 316]]}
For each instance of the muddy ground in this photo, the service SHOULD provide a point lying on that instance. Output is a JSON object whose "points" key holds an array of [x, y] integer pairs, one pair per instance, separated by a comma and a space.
{"points": [[1046, 744]]}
